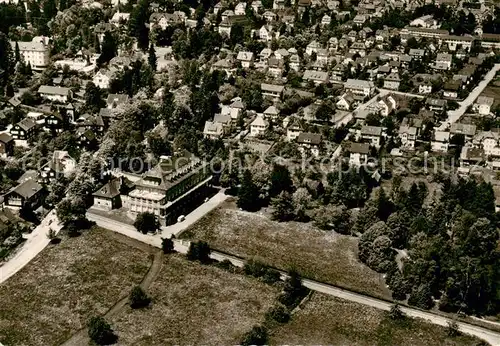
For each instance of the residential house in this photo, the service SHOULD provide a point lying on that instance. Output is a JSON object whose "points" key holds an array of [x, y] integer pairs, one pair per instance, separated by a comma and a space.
{"points": [[392, 81], [240, 9], [258, 126], [294, 62], [51, 93], [256, 5], [6, 145], [272, 90], [281, 54], [417, 54], [108, 196], [224, 28], [115, 100], [372, 134], [245, 58], [451, 88], [313, 47], [213, 130], [346, 101], [435, 104], [269, 16], [293, 129], [317, 77], [265, 54], [440, 141], [24, 130], [28, 194], [359, 87], [359, 19], [103, 77], [483, 105], [275, 67], [424, 87], [358, 153], [272, 113], [326, 20], [86, 138], [408, 136], [387, 105], [61, 164], [467, 130], [36, 52], [54, 123], [489, 141], [309, 142], [225, 120], [266, 33], [443, 61]]}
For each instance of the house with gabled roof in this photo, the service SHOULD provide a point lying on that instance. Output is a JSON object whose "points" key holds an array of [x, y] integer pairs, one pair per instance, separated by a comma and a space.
{"points": [[293, 129], [28, 194], [258, 126], [372, 135], [24, 130], [483, 105], [213, 130], [358, 153]]}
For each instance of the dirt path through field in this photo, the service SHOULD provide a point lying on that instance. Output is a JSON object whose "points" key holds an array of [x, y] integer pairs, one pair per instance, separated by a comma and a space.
{"points": [[81, 337]]}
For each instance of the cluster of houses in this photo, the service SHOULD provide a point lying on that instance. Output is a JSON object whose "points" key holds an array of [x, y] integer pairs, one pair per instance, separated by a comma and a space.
{"points": [[336, 63]]}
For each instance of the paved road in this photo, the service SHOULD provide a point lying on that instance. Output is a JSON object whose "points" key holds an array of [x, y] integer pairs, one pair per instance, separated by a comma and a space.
{"points": [[454, 115], [182, 246], [37, 240]]}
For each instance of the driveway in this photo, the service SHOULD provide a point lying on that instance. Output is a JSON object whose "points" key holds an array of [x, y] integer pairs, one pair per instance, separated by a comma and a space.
{"points": [[36, 241]]}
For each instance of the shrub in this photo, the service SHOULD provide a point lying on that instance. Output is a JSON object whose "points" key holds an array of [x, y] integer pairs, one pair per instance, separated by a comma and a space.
{"points": [[199, 251], [256, 336], [100, 331], [226, 265], [453, 329], [138, 298], [271, 276], [278, 313], [396, 313], [167, 245], [255, 268]]}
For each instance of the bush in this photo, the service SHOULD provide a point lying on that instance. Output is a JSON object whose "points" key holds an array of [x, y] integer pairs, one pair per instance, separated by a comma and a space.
{"points": [[453, 329], [278, 313], [226, 265], [199, 251], [271, 276], [100, 331], [256, 336], [167, 245], [138, 298], [255, 268], [396, 313]]}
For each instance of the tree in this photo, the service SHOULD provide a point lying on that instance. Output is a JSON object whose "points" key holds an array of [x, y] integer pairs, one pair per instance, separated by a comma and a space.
{"points": [[138, 298], [167, 245], [17, 53], [100, 331], [293, 291], [146, 223], [396, 313], [280, 180], [71, 210], [282, 207], [199, 251], [109, 49], [237, 34], [256, 336], [248, 194], [278, 313], [49, 9], [421, 297], [152, 57], [93, 97]]}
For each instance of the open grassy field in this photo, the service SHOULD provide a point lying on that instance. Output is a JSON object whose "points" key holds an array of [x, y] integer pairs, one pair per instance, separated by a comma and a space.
{"points": [[316, 254], [195, 304], [328, 320], [57, 292]]}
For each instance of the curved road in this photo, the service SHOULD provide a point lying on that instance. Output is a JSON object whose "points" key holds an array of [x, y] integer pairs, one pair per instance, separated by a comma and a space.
{"points": [[182, 246], [36, 241]]}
